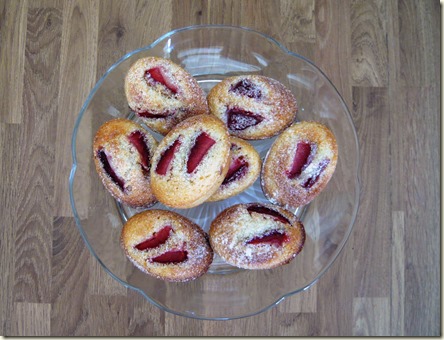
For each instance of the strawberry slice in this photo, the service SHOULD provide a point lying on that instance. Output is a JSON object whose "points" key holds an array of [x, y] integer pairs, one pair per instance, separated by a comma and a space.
{"points": [[274, 237], [137, 139], [266, 211], [156, 240], [312, 180], [159, 76], [238, 168], [167, 157], [200, 148], [246, 88], [172, 256], [239, 119], [101, 154], [301, 160]]}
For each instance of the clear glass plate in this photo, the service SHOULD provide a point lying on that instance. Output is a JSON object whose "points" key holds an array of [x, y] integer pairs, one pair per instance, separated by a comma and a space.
{"points": [[211, 53]]}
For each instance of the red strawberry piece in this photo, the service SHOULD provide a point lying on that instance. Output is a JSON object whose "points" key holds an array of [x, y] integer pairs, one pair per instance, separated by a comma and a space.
{"points": [[109, 170], [312, 180], [137, 139], [156, 240], [200, 148], [246, 88], [301, 160], [266, 211], [158, 75], [172, 256], [274, 237], [238, 168], [239, 119], [167, 157]]}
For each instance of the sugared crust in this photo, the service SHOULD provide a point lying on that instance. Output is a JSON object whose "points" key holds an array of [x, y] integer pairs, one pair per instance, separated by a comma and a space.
{"points": [[235, 226], [276, 105], [290, 193], [240, 148], [189, 100], [112, 137], [184, 234], [179, 189]]}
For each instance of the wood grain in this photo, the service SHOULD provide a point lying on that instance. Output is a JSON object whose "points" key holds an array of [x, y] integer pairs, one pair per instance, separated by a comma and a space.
{"points": [[36, 155], [69, 281], [369, 43], [382, 56], [12, 43], [78, 59], [371, 114]]}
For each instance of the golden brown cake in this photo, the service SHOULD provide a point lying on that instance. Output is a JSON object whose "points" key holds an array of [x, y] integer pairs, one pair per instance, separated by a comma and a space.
{"points": [[252, 106], [191, 162], [245, 167], [299, 164], [162, 93], [166, 245], [256, 236], [122, 152]]}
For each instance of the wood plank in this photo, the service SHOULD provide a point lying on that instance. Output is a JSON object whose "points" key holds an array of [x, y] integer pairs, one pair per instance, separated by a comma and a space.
{"points": [[31, 319], [335, 293], [9, 143], [186, 11], [371, 316], [224, 12], [297, 21], [100, 282], [262, 16], [415, 168], [372, 235], [78, 58], [108, 316], [369, 55], [143, 317], [126, 26], [419, 36], [36, 155], [333, 52], [69, 282], [12, 43], [397, 296]]}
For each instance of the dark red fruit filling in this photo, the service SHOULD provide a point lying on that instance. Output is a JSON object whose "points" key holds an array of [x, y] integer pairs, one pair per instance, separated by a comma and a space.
{"points": [[167, 157], [239, 119], [109, 170], [147, 114], [301, 159], [157, 75], [274, 237], [266, 211], [246, 88], [172, 256], [238, 168], [137, 139], [200, 148], [156, 240], [312, 180]]}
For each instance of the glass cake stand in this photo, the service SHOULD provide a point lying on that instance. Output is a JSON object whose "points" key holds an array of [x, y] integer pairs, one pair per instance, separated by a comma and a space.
{"points": [[210, 54]]}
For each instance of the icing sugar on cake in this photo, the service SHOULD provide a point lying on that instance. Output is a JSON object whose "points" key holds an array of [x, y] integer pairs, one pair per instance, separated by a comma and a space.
{"points": [[253, 106], [166, 245], [256, 236], [299, 164]]}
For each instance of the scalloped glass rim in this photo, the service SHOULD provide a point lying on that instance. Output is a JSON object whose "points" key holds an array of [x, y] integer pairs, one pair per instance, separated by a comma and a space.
{"points": [[75, 163]]}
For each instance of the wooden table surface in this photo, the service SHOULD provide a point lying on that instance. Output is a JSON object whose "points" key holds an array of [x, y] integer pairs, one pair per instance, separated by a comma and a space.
{"points": [[383, 56]]}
